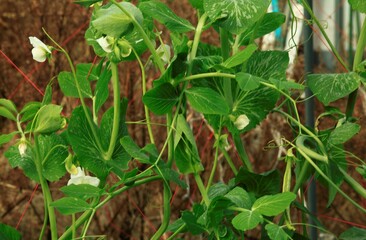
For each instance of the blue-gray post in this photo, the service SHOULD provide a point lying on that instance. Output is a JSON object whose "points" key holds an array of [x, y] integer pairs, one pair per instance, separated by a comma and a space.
{"points": [[309, 111]]}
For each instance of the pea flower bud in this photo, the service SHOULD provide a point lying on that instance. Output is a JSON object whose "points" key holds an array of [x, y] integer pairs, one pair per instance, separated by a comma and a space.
{"points": [[164, 52], [241, 122], [22, 147]]}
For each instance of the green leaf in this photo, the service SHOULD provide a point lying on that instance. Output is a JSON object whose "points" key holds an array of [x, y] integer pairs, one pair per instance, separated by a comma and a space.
{"points": [[86, 3], [82, 191], [29, 111], [191, 222], [247, 220], [25, 162], [343, 133], [286, 84], [84, 145], [186, 152], [207, 101], [269, 23], [261, 184], [330, 87], [218, 189], [70, 205], [49, 119], [202, 64], [255, 104], [112, 21], [133, 150], [47, 98], [173, 176], [272, 205], [7, 113], [268, 64], [358, 5], [247, 82], [5, 138], [217, 210], [9, 233], [276, 232], [101, 91], [164, 15], [235, 15], [68, 85], [8, 105], [53, 154], [161, 99], [353, 233], [239, 197], [240, 57]]}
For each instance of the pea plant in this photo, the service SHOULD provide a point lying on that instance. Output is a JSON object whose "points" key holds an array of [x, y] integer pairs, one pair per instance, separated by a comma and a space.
{"points": [[234, 86]]}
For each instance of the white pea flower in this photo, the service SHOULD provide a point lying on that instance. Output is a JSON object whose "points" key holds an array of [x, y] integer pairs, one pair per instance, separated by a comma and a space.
{"points": [[80, 178], [164, 52], [106, 43], [40, 50], [241, 122], [22, 147]]}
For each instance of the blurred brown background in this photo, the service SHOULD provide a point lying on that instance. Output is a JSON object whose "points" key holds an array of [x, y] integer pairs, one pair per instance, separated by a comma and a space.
{"points": [[137, 213]]}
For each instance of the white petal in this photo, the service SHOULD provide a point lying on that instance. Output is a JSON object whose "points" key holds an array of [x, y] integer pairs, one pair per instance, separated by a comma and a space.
{"points": [[36, 43], [39, 54], [75, 180], [22, 147], [104, 44], [241, 122], [94, 181]]}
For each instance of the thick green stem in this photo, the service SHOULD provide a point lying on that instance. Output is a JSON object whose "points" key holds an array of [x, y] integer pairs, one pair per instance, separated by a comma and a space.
{"points": [[229, 160], [225, 53], [116, 111], [361, 44], [201, 188], [46, 191], [214, 166], [242, 153]]}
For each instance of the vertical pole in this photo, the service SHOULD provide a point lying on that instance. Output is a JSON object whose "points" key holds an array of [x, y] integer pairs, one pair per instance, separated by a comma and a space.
{"points": [[309, 114], [339, 21]]}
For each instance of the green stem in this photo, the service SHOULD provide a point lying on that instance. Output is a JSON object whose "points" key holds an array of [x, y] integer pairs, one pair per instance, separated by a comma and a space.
{"points": [[171, 237], [229, 160], [214, 166], [166, 213], [313, 18], [85, 108], [147, 114], [73, 234], [116, 111], [361, 44], [225, 53], [353, 183], [302, 176], [85, 216], [241, 151], [86, 227], [321, 173], [144, 36], [46, 191], [45, 221], [201, 188]]}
